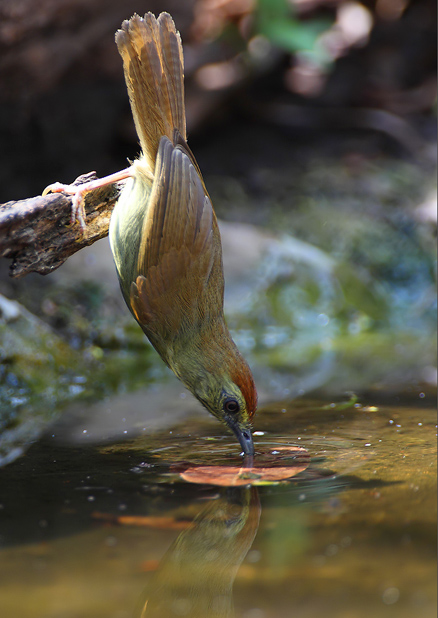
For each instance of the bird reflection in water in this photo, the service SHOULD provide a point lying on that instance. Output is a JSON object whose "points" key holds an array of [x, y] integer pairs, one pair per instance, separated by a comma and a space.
{"points": [[195, 577]]}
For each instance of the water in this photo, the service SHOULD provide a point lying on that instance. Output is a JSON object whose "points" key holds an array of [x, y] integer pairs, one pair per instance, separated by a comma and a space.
{"points": [[113, 530]]}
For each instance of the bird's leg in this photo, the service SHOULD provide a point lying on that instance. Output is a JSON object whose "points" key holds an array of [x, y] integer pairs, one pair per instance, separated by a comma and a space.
{"points": [[78, 192]]}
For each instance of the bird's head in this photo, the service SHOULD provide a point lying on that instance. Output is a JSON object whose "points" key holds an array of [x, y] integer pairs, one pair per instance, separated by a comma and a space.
{"points": [[232, 398]]}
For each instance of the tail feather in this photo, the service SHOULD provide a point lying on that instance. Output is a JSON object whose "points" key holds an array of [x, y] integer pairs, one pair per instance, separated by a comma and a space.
{"points": [[154, 72]]}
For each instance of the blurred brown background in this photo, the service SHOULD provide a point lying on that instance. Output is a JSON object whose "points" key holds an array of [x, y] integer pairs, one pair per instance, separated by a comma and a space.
{"points": [[305, 67]]}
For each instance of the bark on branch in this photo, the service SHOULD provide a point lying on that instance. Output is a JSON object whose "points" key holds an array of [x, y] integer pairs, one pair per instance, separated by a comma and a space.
{"points": [[37, 235]]}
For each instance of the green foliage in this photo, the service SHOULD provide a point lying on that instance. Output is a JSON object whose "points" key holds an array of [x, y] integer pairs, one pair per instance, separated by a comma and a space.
{"points": [[276, 21]]}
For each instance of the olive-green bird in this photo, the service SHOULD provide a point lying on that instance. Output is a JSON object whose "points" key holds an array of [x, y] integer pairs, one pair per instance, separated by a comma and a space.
{"points": [[164, 234]]}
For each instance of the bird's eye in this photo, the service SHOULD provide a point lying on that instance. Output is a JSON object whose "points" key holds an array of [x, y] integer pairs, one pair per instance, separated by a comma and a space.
{"points": [[231, 406]]}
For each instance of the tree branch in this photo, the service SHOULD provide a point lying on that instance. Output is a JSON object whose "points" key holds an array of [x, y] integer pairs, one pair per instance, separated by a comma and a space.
{"points": [[37, 235]]}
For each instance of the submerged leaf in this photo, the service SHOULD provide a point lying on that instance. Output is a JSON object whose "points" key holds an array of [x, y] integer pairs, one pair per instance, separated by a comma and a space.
{"points": [[232, 476]]}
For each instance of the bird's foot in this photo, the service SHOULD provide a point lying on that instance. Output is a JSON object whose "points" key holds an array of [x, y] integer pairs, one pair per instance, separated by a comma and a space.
{"points": [[78, 192]]}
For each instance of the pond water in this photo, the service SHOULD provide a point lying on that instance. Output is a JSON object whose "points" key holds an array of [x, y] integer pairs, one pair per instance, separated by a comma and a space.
{"points": [[118, 529]]}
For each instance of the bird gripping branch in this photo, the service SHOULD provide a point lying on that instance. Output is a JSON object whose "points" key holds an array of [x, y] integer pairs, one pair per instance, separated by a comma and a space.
{"points": [[164, 235]]}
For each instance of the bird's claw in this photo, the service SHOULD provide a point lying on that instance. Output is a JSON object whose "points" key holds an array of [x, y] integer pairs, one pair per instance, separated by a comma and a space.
{"points": [[79, 190], [55, 187], [77, 208]]}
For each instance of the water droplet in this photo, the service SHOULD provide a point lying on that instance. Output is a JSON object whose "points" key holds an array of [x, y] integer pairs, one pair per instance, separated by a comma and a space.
{"points": [[391, 595], [323, 319], [331, 550], [346, 541], [253, 556], [181, 607], [75, 389]]}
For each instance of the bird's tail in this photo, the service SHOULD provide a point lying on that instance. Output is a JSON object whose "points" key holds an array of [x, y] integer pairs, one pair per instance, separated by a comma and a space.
{"points": [[154, 72]]}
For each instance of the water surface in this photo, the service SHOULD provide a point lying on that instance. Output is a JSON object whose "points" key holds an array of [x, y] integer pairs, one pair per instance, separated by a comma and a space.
{"points": [[113, 530]]}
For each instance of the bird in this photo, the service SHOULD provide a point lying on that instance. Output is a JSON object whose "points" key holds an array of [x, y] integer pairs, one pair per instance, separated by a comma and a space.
{"points": [[164, 234]]}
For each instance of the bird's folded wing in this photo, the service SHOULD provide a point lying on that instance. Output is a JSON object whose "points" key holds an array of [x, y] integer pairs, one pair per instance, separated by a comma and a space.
{"points": [[179, 279]]}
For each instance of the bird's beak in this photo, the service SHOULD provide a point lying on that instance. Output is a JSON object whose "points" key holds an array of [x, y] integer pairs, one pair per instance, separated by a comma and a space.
{"points": [[243, 434]]}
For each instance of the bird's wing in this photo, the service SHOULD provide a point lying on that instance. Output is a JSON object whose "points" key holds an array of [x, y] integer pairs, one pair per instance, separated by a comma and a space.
{"points": [[179, 280]]}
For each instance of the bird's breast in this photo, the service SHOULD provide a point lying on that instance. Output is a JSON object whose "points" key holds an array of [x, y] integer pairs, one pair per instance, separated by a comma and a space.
{"points": [[126, 226]]}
